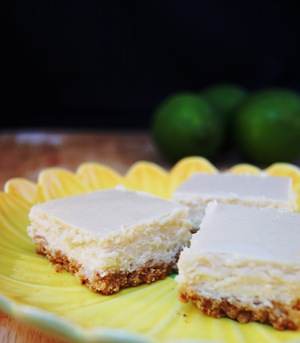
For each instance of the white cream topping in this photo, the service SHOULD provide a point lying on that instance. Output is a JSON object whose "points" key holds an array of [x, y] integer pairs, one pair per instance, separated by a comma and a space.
{"points": [[257, 233], [257, 189], [103, 212]]}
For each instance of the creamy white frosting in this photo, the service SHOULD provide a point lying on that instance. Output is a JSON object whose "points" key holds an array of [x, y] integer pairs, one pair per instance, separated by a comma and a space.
{"points": [[102, 212], [265, 234], [248, 190], [233, 186]]}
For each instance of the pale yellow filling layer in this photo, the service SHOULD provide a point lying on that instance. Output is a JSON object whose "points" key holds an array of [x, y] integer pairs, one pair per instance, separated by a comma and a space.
{"points": [[238, 279]]}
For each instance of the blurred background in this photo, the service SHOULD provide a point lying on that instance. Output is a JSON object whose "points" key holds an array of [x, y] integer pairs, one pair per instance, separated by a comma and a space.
{"points": [[108, 64]]}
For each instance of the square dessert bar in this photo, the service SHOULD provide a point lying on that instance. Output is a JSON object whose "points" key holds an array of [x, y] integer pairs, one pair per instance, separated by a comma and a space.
{"points": [[248, 190], [111, 239], [244, 263]]}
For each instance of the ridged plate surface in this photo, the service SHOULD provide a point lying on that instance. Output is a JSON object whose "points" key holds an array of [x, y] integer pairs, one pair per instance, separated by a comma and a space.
{"points": [[32, 291]]}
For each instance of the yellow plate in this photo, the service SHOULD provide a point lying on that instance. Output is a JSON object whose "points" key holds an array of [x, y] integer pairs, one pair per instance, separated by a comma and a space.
{"points": [[32, 291]]}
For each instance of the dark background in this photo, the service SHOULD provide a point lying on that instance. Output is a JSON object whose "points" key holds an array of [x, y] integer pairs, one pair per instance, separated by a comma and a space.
{"points": [[107, 64]]}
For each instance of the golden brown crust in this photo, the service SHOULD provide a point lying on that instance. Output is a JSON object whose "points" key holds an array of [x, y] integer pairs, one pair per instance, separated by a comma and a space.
{"points": [[111, 282], [280, 316]]}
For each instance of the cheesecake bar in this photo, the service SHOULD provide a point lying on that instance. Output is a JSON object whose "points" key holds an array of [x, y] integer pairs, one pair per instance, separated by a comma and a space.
{"points": [[244, 263], [248, 190], [111, 239]]}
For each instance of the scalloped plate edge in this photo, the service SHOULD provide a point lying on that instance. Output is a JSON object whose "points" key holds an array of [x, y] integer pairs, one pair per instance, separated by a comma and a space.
{"points": [[59, 326]]}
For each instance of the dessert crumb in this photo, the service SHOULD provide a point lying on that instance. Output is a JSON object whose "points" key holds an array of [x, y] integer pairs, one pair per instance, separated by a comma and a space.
{"points": [[58, 268]]}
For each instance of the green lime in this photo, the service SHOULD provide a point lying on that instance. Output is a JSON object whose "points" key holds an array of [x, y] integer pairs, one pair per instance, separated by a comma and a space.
{"points": [[225, 98], [185, 125], [267, 126]]}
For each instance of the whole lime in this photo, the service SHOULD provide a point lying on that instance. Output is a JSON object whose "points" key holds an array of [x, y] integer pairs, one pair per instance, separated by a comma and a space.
{"points": [[225, 98], [185, 125], [266, 127]]}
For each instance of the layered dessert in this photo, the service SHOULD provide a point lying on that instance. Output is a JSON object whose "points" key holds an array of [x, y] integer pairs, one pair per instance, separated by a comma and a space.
{"points": [[248, 190], [244, 263], [111, 239]]}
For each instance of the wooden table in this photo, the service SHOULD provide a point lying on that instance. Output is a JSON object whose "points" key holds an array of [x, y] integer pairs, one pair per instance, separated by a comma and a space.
{"points": [[25, 154]]}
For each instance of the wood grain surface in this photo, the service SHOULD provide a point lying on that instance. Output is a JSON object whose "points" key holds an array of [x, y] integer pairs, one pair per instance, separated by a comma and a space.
{"points": [[25, 154]]}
